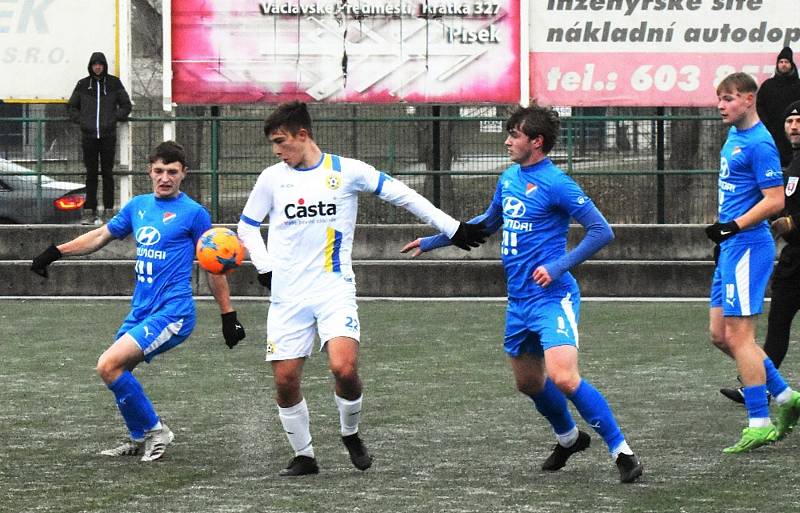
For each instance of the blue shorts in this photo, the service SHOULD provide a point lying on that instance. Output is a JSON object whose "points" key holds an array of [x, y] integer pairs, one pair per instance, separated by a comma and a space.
{"points": [[158, 332], [536, 324], [740, 279]]}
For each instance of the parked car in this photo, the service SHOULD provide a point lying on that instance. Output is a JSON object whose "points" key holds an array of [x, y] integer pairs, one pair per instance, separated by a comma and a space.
{"points": [[28, 198]]}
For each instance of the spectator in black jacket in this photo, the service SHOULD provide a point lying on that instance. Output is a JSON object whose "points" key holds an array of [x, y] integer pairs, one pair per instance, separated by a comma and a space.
{"points": [[774, 95], [97, 103]]}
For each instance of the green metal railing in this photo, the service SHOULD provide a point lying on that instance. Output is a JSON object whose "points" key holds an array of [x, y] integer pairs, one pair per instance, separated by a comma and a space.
{"points": [[638, 169]]}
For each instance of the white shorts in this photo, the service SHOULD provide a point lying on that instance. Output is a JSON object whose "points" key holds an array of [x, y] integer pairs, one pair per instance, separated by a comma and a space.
{"points": [[291, 326]]}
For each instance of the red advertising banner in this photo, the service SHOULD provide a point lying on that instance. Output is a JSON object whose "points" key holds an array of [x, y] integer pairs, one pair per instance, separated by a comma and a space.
{"points": [[371, 51], [652, 52], [639, 79]]}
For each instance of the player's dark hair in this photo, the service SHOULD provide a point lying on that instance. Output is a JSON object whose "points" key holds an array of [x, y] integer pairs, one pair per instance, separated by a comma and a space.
{"points": [[169, 152], [536, 120], [289, 116], [737, 82]]}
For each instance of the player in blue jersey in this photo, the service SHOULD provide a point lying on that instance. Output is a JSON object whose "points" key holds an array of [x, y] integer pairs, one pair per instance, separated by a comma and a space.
{"points": [[166, 226], [533, 204], [750, 191]]}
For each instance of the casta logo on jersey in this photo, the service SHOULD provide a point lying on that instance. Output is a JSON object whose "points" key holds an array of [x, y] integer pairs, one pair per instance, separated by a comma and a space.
{"points": [[301, 210], [147, 235]]}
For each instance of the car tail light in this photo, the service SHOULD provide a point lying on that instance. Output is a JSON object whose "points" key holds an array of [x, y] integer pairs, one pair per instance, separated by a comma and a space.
{"points": [[70, 202]]}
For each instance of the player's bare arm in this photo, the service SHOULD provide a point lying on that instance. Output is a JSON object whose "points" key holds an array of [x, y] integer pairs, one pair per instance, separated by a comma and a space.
{"points": [[87, 243], [218, 284], [82, 245], [770, 205]]}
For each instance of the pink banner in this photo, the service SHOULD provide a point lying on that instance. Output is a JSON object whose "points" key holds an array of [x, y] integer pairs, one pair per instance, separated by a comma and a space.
{"points": [[639, 79], [378, 51]]}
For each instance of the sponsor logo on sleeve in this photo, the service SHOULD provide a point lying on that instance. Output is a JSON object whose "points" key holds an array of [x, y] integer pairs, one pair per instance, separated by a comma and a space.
{"points": [[791, 185]]}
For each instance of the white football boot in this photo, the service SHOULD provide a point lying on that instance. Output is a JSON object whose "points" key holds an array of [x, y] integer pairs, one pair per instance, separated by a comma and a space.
{"points": [[156, 441]]}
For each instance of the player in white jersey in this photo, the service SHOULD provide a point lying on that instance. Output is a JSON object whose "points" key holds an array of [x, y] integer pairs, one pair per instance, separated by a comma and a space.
{"points": [[166, 226], [750, 191], [311, 199]]}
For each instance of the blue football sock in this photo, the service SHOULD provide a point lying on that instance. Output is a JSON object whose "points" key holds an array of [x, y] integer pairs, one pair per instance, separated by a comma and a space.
{"points": [[134, 405], [775, 382], [755, 400], [552, 404], [595, 410]]}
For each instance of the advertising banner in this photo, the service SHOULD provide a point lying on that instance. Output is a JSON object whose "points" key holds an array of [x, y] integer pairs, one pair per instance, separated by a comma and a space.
{"points": [[367, 51], [653, 52], [45, 45]]}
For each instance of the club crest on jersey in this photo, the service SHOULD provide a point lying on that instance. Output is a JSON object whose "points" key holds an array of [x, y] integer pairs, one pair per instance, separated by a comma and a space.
{"points": [[301, 210], [791, 185], [270, 347], [530, 189], [168, 216], [333, 181]]}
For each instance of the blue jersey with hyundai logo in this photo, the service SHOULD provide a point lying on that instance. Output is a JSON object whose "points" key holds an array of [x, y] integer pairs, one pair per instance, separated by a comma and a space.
{"points": [[166, 231], [749, 162], [537, 203]]}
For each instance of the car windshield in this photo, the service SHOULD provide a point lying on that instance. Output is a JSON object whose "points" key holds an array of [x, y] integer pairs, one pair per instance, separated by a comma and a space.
{"points": [[10, 168]]}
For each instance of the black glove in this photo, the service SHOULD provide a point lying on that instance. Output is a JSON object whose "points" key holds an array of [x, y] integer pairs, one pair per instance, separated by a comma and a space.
{"points": [[47, 257], [717, 250], [469, 235], [719, 232], [265, 280], [231, 329]]}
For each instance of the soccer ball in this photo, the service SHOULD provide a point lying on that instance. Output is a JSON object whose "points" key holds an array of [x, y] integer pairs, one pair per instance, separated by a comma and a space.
{"points": [[219, 251]]}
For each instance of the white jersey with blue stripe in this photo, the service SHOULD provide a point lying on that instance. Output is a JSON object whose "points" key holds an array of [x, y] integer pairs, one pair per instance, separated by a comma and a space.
{"points": [[166, 231], [312, 216], [749, 162], [537, 203]]}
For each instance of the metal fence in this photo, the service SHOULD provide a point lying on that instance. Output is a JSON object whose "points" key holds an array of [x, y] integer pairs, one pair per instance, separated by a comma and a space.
{"points": [[638, 169]]}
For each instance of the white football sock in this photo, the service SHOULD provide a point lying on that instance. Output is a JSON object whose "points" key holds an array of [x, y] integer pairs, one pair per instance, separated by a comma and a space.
{"points": [[349, 414], [621, 449], [758, 422], [784, 396], [296, 424], [569, 438]]}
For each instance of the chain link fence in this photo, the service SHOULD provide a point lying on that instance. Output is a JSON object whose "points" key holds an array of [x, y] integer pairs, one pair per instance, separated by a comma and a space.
{"points": [[638, 168]]}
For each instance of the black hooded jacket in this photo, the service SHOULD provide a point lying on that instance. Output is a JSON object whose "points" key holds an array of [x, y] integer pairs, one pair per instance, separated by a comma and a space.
{"points": [[99, 102], [774, 95]]}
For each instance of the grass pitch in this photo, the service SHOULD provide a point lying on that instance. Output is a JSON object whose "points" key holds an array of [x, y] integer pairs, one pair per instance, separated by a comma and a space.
{"points": [[441, 416]]}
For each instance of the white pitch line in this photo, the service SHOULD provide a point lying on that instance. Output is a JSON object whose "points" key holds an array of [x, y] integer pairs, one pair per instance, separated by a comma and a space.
{"points": [[398, 299]]}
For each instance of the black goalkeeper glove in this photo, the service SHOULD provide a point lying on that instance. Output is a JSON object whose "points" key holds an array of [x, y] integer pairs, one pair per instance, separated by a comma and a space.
{"points": [[232, 330], [719, 232], [265, 280], [469, 235], [47, 257]]}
